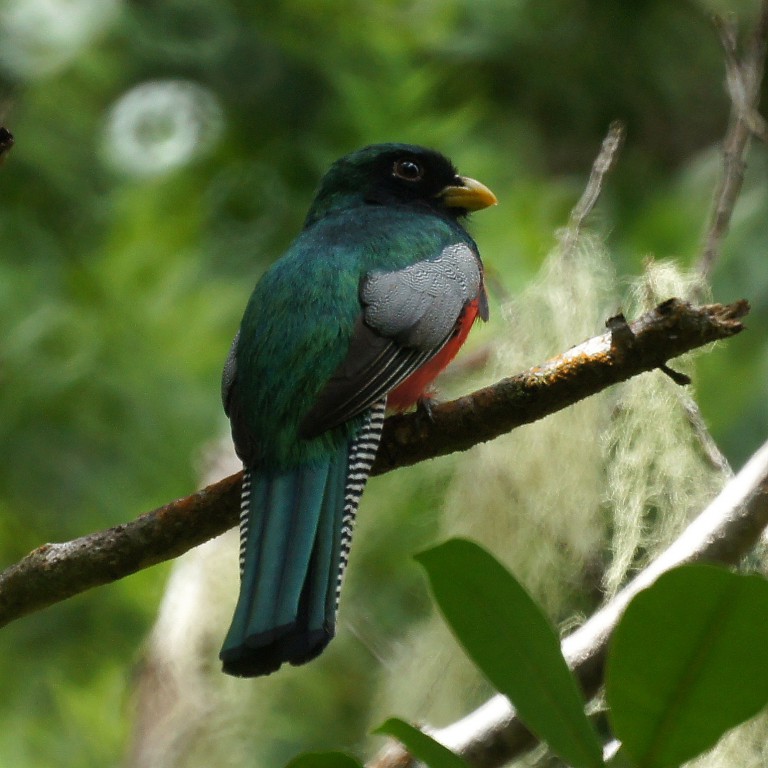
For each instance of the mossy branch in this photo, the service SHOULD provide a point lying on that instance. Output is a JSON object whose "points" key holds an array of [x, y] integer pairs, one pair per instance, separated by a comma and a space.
{"points": [[54, 572]]}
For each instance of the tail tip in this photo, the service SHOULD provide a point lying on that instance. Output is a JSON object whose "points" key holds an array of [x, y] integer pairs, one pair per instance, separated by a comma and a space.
{"points": [[246, 659]]}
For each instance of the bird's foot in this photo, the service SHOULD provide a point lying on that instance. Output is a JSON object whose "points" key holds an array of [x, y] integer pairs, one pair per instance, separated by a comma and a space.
{"points": [[425, 406]]}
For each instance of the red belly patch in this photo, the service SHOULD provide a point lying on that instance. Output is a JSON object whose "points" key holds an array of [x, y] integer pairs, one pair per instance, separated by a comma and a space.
{"points": [[415, 386]]}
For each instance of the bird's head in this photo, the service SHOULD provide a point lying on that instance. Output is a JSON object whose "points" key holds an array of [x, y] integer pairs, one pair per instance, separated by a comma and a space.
{"points": [[398, 174]]}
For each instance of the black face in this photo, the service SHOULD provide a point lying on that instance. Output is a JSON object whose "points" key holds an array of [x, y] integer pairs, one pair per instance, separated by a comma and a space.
{"points": [[412, 176], [394, 174]]}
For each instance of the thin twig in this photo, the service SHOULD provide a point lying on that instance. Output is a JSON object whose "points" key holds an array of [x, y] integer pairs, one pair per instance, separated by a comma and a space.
{"points": [[744, 76], [604, 162], [709, 447], [54, 572]]}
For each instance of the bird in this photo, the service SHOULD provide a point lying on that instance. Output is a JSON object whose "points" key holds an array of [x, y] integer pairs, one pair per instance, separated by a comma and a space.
{"points": [[368, 304]]}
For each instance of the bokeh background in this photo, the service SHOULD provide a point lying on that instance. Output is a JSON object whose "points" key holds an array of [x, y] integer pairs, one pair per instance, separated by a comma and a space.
{"points": [[166, 152]]}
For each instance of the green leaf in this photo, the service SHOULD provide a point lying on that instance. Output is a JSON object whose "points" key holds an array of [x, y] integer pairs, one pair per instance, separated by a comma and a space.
{"points": [[323, 760], [687, 663], [505, 633], [423, 747]]}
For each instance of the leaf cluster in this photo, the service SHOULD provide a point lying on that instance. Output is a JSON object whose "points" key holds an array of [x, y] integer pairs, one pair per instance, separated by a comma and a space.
{"points": [[686, 664]]}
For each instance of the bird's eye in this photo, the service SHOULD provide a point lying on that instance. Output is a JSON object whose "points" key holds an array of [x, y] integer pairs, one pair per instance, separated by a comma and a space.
{"points": [[409, 170]]}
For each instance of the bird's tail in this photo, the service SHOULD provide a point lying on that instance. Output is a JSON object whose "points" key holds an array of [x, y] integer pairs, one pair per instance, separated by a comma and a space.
{"points": [[295, 533]]}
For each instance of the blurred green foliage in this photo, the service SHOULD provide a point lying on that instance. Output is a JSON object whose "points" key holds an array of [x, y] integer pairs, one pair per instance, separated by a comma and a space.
{"points": [[128, 247]]}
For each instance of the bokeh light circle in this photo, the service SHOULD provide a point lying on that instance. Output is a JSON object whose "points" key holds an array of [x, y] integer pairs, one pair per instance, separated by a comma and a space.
{"points": [[160, 126], [41, 37]]}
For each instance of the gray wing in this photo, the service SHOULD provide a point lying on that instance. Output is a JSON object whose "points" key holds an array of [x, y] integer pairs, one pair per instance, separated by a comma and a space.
{"points": [[408, 316], [418, 306]]}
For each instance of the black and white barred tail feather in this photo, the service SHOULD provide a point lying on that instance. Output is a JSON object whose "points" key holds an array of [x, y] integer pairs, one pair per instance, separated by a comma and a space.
{"points": [[295, 535], [362, 454], [245, 500]]}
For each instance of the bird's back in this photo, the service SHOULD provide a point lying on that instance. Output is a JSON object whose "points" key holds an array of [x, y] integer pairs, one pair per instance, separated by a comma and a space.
{"points": [[302, 315]]}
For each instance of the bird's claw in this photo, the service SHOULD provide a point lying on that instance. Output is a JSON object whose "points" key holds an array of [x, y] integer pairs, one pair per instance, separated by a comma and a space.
{"points": [[425, 408]]}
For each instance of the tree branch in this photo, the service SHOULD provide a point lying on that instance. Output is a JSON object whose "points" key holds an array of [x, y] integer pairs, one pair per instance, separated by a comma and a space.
{"points": [[723, 533], [744, 76], [54, 572], [669, 330]]}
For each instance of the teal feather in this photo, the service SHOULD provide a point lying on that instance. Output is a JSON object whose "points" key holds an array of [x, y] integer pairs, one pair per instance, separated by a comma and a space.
{"points": [[288, 569], [296, 531]]}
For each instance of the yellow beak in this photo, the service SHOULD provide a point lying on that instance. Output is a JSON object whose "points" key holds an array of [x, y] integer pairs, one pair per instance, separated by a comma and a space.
{"points": [[470, 194]]}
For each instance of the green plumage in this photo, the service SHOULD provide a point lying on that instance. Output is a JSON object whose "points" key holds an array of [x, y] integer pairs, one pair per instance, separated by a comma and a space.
{"points": [[308, 375], [302, 314]]}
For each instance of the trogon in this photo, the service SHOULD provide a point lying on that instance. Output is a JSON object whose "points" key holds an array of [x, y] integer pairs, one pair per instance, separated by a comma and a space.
{"points": [[368, 304]]}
